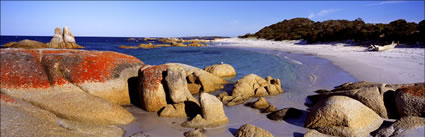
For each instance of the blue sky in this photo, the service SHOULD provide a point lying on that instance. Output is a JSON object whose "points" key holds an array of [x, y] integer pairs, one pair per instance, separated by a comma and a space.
{"points": [[187, 18]]}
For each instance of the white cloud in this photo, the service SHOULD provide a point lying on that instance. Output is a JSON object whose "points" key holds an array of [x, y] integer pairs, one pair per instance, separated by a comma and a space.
{"points": [[385, 3], [322, 13]]}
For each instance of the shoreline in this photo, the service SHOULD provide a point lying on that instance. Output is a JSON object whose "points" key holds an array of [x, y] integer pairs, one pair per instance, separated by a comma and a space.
{"points": [[400, 65], [326, 76]]}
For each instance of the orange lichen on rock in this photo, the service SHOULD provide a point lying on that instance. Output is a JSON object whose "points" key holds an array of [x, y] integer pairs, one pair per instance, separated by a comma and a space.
{"points": [[7, 99], [416, 90], [22, 70], [152, 76], [40, 68]]}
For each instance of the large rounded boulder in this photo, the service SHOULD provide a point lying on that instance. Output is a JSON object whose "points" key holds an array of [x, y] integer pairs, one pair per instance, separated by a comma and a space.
{"points": [[221, 70], [100, 73], [343, 116]]}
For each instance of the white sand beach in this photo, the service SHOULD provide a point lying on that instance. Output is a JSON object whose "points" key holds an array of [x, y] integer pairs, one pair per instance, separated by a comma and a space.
{"points": [[399, 65]]}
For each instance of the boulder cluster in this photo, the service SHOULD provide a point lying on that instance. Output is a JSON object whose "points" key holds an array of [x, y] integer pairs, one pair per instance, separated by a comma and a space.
{"points": [[249, 86], [60, 39], [165, 89], [358, 109]]}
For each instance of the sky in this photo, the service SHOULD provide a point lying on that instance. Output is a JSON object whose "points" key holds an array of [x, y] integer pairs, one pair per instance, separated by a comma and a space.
{"points": [[187, 18]]}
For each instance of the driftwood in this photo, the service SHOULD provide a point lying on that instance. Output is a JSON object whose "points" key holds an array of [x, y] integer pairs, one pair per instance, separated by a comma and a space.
{"points": [[382, 48]]}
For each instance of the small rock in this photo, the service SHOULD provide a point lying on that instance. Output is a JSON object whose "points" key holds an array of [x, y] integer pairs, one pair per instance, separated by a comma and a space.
{"points": [[249, 130], [285, 113], [315, 133], [140, 134], [261, 103], [173, 110], [197, 132], [212, 113]]}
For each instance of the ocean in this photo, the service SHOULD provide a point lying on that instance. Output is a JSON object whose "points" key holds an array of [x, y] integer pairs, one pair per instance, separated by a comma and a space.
{"points": [[300, 75]]}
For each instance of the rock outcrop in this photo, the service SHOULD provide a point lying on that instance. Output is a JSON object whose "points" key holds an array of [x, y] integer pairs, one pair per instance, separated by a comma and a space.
{"points": [[249, 130], [157, 83], [81, 88], [221, 70], [27, 44], [410, 100], [343, 116], [250, 86], [63, 40], [212, 113], [100, 73], [20, 118], [74, 92], [200, 80], [66, 105]]}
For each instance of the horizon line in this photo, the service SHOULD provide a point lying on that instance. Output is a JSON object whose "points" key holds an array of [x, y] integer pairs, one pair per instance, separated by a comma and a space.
{"points": [[118, 36]]}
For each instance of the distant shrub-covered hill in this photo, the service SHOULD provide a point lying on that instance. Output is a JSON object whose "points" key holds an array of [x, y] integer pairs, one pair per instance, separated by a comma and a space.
{"points": [[339, 30]]}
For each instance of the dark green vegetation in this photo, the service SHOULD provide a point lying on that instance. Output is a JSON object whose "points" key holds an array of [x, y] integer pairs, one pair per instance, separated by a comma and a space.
{"points": [[339, 30]]}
